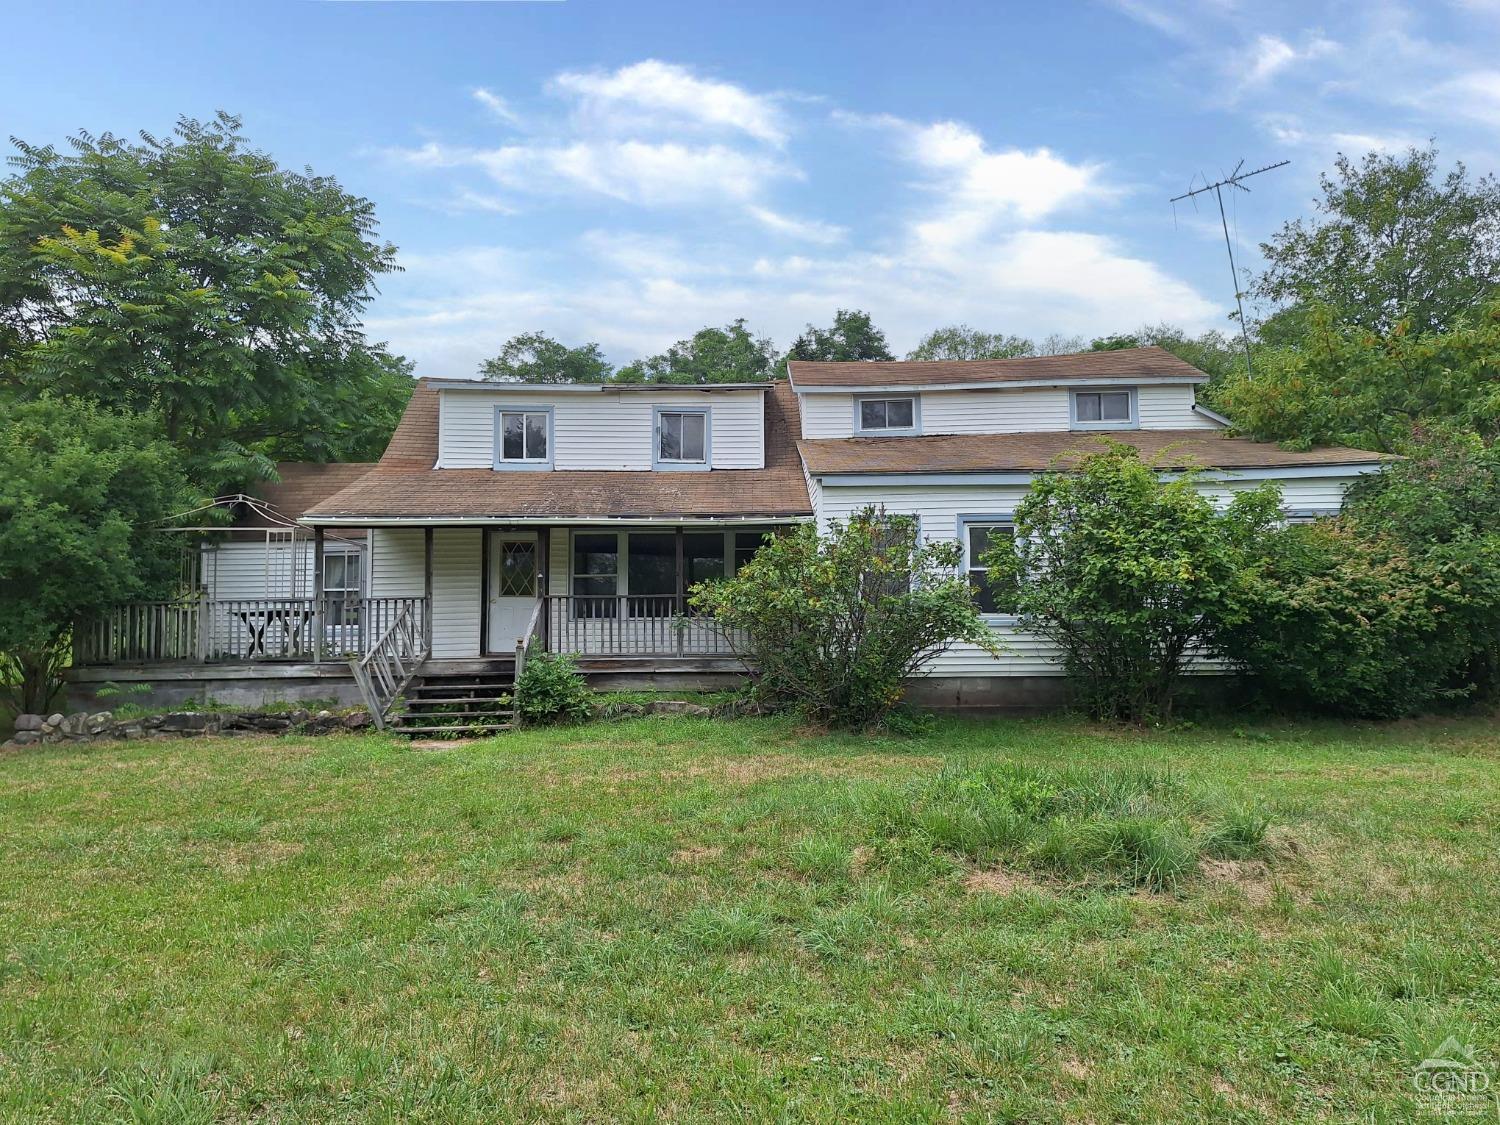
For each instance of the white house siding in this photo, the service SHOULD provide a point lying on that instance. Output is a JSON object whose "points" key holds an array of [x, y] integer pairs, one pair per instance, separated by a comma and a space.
{"points": [[397, 563], [938, 508], [601, 431], [1163, 407]]}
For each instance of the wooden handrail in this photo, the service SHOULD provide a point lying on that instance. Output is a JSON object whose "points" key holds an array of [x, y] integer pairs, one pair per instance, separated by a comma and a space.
{"points": [[523, 653], [392, 662]]}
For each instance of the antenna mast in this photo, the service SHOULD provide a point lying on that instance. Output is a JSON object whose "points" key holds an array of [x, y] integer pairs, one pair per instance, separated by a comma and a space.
{"points": [[1232, 180]]}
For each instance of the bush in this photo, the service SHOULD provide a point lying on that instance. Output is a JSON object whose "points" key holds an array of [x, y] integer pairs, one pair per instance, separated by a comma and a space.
{"points": [[835, 624], [550, 689], [1349, 620], [1129, 575]]}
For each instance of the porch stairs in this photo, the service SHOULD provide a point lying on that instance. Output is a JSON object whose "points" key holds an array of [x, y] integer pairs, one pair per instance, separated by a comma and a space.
{"points": [[458, 704]]}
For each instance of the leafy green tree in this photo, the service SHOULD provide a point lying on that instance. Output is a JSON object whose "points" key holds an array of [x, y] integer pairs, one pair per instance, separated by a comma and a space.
{"points": [[1212, 352], [1394, 240], [835, 624], [81, 488], [193, 278], [852, 336], [731, 354], [1348, 385], [959, 341], [1128, 574], [535, 357]]}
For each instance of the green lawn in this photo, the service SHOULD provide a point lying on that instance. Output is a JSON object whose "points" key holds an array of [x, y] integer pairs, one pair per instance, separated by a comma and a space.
{"points": [[688, 918]]}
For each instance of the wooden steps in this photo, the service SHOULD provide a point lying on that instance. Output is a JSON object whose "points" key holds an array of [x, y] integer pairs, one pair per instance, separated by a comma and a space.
{"points": [[460, 704]]}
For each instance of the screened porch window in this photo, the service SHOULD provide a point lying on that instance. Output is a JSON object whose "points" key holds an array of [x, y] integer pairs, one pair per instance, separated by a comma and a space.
{"points": [[596, 573], [652, 574]]}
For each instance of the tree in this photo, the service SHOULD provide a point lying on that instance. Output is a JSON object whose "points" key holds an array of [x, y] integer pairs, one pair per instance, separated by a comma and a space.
{"points": [[959, 341], [535, 357], [852, 336], [1128, 574], [1212, 353], [1393, 241], [81, 488], [1348, 385], [713, 355], [835, 624], [1056, 343], [192, 278]]}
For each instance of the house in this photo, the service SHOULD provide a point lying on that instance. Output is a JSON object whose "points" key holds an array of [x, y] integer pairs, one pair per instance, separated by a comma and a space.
{"points": [[574, 518]]}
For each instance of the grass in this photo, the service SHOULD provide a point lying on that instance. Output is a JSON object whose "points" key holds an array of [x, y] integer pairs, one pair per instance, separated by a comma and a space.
{"points": [[691, 918]]}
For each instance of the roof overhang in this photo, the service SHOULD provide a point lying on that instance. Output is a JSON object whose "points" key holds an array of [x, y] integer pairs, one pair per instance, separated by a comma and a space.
{"points": [[493, 385], [547, 521], [997, 385], [1283, 472]]}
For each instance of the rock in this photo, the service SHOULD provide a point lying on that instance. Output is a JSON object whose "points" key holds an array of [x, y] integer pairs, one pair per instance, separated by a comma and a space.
{"points": [[151, 722], [357, 720], [29, 722], [99, 723], [24, 738], [300, 715], [677, 707], [323, 716], [75, 723], [131, 730], [184, 721], [55, 719]]}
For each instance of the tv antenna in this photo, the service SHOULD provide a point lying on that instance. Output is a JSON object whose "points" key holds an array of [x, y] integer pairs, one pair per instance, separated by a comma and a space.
{"points": [[1234, 179]]}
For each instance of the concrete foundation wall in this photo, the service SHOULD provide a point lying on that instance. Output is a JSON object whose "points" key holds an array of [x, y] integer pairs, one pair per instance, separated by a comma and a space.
{"points": [[236, 687]]}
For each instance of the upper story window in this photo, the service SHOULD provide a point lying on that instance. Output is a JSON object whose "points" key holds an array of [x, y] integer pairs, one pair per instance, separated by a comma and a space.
{"points": [[523, 438], [682, 439], [886, 414], [1102, 410]]}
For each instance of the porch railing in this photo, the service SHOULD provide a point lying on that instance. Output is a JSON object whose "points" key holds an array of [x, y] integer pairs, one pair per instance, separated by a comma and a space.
{"points": [[394, 657], [212, 630], [631, 625]]}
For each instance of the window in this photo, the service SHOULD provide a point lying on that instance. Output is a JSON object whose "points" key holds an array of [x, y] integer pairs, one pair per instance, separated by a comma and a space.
{"points": [[682, 437], [596, 572], [523, 438], [651, 574], [342, 587], [1102, 409], [876, 414], [517, 568], [978, 538], [746, 543], [702, 557]]}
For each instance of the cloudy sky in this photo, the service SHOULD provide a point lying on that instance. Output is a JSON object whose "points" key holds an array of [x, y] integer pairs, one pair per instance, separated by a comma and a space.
{"points": [[627, 171]]}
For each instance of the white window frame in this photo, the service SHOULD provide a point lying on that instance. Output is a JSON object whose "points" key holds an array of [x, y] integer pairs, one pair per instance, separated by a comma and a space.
{"points": [[1133, 422], [983, 519], [916, 415], [523, 463], [681, 464]]}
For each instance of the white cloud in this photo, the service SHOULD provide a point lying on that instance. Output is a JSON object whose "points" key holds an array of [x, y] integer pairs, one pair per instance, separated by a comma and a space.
{"points": [[676, 96], [807, 230], [652, 174], [499, 108]]}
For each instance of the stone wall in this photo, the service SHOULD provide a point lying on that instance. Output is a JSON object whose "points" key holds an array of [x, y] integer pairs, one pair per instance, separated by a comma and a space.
{"points": [[102, 726]]}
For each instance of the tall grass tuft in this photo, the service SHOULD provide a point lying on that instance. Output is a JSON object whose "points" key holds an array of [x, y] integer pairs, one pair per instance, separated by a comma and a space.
{"points": [[1125, 826]]}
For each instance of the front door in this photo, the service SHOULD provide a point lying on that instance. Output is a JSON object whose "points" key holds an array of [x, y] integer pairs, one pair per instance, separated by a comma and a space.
{"points": [[513, 588]]}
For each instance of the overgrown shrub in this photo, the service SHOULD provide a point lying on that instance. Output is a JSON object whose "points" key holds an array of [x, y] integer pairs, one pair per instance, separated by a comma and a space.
{"points": [[1351, 621], [835, 624], [1128, 574], [550, 689]]}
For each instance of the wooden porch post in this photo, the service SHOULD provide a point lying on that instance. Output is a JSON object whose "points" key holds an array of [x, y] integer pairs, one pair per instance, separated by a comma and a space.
{"points": [[543, 572], [427, 585], [317, 613], [681, 588], [486, 534]]}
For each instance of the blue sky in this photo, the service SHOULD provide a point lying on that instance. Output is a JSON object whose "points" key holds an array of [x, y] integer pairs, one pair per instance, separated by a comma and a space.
{"points": [[629, 171]]}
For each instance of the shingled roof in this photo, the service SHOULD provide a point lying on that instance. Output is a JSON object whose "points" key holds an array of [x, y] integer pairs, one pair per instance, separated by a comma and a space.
{"points": [[1126, 363], [1036, 452], [404, 484], [302, 485]]}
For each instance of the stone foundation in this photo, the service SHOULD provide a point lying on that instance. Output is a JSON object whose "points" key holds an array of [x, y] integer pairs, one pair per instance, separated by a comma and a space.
{"points": [[102, 726]]}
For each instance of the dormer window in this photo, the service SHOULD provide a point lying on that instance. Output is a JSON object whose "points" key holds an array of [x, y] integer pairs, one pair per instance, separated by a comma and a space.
{"points": [[523, 438], [682, 439], [886, 414], [1104, 410]]}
